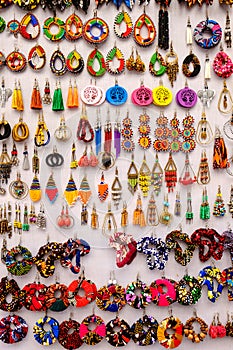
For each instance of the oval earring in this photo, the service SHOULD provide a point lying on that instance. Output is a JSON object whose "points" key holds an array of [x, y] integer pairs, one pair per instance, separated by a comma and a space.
{"points": [[29, 19], [37, 57], [123, 17], [96, 55], [73, 21], [144, 20], [115, 53], [74, 62], [157, 57], [58, 56]]}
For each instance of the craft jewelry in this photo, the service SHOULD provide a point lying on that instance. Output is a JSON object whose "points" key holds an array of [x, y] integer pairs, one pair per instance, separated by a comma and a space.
{"points": [[207, 276], [17, 97], [191, 334], [98, 134], [123, 17], [187, 176], [35, 189], [230, 203], [28, 6], [37, 57], [72, 96], [144, 20], [192, 60], [204, 207], [208, 25], [84, 195], [92, 337], [144, 177], [41, 129], [188, 291], [85, 132], [73, 27], [54, 159], [10, 286], [115, 54], [87, 286], [163, 31], [16, 61], [116, 190], [103, 189], [89, 30], [216, 329], [142, 337], [116, 95], [177, 208], [157, 176], [109, 222], [204, 133], [157, 58], [165, 217], [57, 102], [170, 173], [47, 97], [5, 165], [189, 211], [142, 96], [162, 96], [29, 20], [207, 67], [13, 27], [203, 175], [71, 192], [32, 215], [65, 220], [169, 340], [74, 62], [2, 24], [186, 97], [51, 22], [61, 68], [36, 101], [126, 248], [220, 159], [35, 162], [17, 221], [127, 143], [172, 65], [117, 137], [118, 338], [163, 291], [14, 156], [81, 5], [222, 64], [94, 56], [18, 188], [138, 301], [132, 175], [152, 217], [206, 95], [5, 128], [219, 209], [46, 337], [225, 101], [227, 31], [63, 132], [138, 214], [92, 95], [41, 220], [94, 218]]}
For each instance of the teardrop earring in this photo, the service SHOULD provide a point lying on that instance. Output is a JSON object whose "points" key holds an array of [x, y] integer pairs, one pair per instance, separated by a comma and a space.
{"points": [[144, 20], [225, 101], [204, 133]]}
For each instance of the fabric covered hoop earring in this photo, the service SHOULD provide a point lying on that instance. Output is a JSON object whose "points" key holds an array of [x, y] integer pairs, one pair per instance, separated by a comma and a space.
{"points": [[18, 267], [73, 21], [207, 25], [11, 287], [123, 17], [161, 297], [157, 256], [74, 62], [98, 23], [37, 57], [147, 21], [182, 257], [207, 277], [35, 296], [170, 341], [191, 334], [121, 337], [111, 297], [157, 57], [29, 19], [58, 55], [16, 61], [46, 267], [146, 336], [194, 61], [43, 337], [96, 55], [115, 53], [138, 301], [9, 335], [59, 303], [89, 288], [190, 295], [74, 248], [20, 131], [73, 341], [92, 337], [54, 21]]}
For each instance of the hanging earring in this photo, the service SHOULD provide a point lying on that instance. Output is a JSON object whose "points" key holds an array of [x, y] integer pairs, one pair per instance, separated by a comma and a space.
{"points": [[138, 214], [41, 221], [84, 194], [39, 138], [225, 101], [123, 17], [204, 133], [47, 97], [187, 176], [72, 97], [36, 102], [85, 131], [172, 66], [57, 103], [5, 165], [227, 32], [220, 159], [71, 192], [117, 137], [206, 95], [132, 175], [18, 188], [124, 216], [189, 210], [14, 155], [219, 209], [83, 161], [60, 69], [74, 62], [163, 32], [98, 134], [93, 160], [177, 209], [203, 175], [228, 128], [109, 222], [230, 203], [127, 143], [102, 189], [115, 54], [51, 190], [144, 20], [139, 65], [94, 56], [74, 161], [35, 189], [165, 217], [116, 190], [26, 165], [157, 58], [35, 162], [207, 67], [157, 176], [222, 64], [204, 208], [94, 218], [152, 218], [106, 158], [144, 140], [63, 132], [144, 178], [170, 172]]}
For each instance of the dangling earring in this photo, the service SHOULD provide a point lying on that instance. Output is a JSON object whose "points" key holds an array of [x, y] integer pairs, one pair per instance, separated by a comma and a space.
{"points": [[124, 216], [26, 165], [152, 218], [36, 102], [223, 101], [117, 137], [170, 172], [109, 222], [227, 32], [189, 210], [98, 134], [204, 208], [102, 189], [204, 133], [116, 190], [51, 190], [130, 62], [139, 64], [84, 194], [138, 214], [177, 209], [144, 178], [220, 159], [71, 192], [157, 176], [219, 209], [47, 97], [57, 103], [41, 221], [163, 34], [165, 217], [203, 175], [132, 175], [230, 203], [187, 176], [172, 66], [207, 67], [94, 218]]}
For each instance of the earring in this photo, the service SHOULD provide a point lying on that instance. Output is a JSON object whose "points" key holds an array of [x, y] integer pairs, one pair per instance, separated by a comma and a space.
{"points": [[124, 216], [144, 20], [109, 222], [84, 194], [230, 203], [177, 209], [94, 218], [204, 208], [203, 175], [47, 97], [165, 217], [51, 190], [72, 96], [187, 176], [130, 62], [227, 32], [5, 165], [170, 172], [36, 102], [204, 133], [41, 221], [163, 32], [132, 175], [220, 159], [157, 176], [152, 218], [115, 53], [224, 100], [144, 178], [71, 192], [219, 209], [57, 102], [102, 189], [116, 190], [172, 66], [139, 65], [189, 210], [138, 214]]}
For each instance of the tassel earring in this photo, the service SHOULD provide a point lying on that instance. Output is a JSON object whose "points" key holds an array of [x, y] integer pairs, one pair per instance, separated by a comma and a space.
{"points": [[72, 97], [138, 215], [57, 103], [220, 159], [14, 102], [75, 96], [36, 102], [69, 101]]}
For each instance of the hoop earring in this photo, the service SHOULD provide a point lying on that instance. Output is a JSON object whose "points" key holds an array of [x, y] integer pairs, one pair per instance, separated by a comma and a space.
{"points": [[115, 53], [144, 20], [29, 19], [54, 21], [98, 23], [16, 61], [96, 55], [123, 17], [58, 55], [37, 57], [74, 62], [73, 21]]}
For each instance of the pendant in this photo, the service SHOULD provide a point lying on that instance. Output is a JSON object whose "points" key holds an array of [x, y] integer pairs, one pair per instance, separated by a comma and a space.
{"points": [[115, 54], [37, 57], [94, 56], [186, 97], [116, 95], [74, 62], [123, 17], [144, 20], [157, 57]]}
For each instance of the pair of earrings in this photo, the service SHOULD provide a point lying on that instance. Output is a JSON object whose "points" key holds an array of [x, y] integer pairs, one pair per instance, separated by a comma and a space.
{"points": [[85, 161], [133, 63]]}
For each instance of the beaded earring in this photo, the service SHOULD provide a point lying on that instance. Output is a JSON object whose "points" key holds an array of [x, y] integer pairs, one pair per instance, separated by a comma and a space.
{"points": [[127, 143], [90, 25], [230, 203], [138, 214], [170, 173], [172, 66], [204, 133], [189, 210], [203, 175], [152, 217], [144, 20], [157, 176], [124, 216], [187, 176], [47, 97], [204, 207], [177, 208], [116, 190], [39, 138], [157, 58], [220, 159], [37, 57], [144, 178], [5, 165], [219, 209], [123, 17], [35, 189], [51, 190], [84, 195], [71, 192], [117, 137], [85, 131], [18, 188], [222, 64], [106, 158], [227, 31], [98, 134], [115, 54], [94, 56], [132, 175], [165, 217], [225, 101], [58, 56], [102, 189]]}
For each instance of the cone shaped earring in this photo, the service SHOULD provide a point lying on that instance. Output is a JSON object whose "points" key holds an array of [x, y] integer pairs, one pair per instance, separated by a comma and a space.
{"points": [[35, 190]]}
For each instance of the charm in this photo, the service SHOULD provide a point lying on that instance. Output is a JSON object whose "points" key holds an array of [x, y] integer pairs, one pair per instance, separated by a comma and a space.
{"points": [[187, 176], [144, 20], [123, 17], [165, 217], [225, 101], [203, 175], [84, 192], [219, 209], [144, 178], [51, 190], [93, 57], [170, 173], [152, 218], [172, 66], [102, 189], [71, 192], [138, 214], [162, 96], [206, 95], [220, 159], [18, 189], [132, 175], [116, 190], [157, 176], [189, 210], [204, 133], [115, 55], [116, 95], [186, 97], [63, 132]]}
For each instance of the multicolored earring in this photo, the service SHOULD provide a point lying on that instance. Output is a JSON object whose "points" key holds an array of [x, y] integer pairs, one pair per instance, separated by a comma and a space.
{"points": [[220, 158], [138, 214], [132, 175], [116, 190], [170, 173], [203, 175], [219, 209], [144, 178]]}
